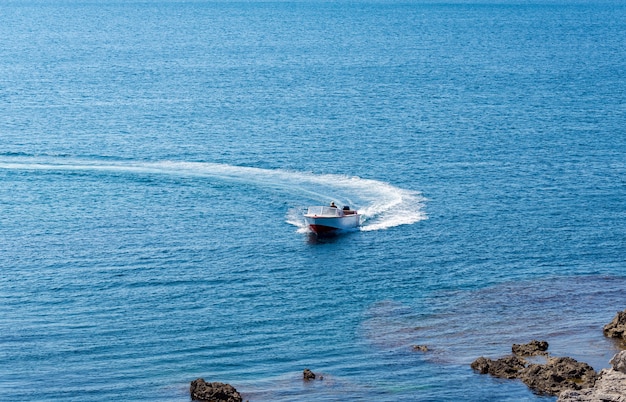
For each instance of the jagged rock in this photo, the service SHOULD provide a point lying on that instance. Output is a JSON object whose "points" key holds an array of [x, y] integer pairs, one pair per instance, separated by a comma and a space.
{"points": [[481, 365], [308, 375], [619, 362], [610, 386], [506, 367], [617, 327], [213, 392], [533, 348], [558, 374]]}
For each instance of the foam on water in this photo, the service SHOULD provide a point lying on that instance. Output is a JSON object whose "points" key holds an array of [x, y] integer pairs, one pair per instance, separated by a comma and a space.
{"points": [[381, 204]]}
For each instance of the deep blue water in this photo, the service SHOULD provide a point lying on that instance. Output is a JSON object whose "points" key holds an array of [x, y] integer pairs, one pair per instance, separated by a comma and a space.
{"points": [[155, 158]]}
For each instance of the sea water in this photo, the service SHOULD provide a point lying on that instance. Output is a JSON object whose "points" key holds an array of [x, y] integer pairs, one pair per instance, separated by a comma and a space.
{"points": [[156, 157]]}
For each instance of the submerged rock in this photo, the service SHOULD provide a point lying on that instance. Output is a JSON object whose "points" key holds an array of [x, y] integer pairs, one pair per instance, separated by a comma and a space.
{"points": [[617, 327], [213, 391], [610, 386], [420, 348]]}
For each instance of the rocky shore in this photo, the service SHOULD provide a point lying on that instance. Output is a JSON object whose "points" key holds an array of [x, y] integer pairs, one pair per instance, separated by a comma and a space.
{"points": [[571, 380], [610, 385], [564, 376], [552, 377]]}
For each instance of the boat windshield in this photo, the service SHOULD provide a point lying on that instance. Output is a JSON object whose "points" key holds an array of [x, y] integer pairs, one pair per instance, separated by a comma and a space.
{"points": [[324, 211]]}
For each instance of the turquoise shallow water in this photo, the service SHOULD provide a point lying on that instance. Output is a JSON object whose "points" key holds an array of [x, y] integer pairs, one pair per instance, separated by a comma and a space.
{"points": [[155, 158]]}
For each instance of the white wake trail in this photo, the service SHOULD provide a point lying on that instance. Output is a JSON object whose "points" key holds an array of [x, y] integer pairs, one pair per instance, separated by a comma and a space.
{"points": [[381, 204]]}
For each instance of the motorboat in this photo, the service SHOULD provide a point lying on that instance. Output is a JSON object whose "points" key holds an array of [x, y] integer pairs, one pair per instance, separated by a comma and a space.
{"points": [[326, 220]]}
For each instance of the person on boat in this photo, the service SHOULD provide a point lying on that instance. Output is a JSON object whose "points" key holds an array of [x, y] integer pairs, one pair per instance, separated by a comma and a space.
{"points": [[332, 204]]}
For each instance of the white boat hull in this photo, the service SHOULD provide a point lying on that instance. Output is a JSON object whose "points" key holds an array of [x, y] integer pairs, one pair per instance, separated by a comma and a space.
{"points": [[322, 220]]}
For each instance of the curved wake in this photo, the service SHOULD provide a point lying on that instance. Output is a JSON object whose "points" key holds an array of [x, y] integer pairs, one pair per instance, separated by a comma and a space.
{"points": [[381, 204]]}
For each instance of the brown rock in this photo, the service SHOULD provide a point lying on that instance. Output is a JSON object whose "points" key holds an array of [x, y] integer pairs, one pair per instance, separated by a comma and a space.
{"points": [[213, 392], [609, 387], [308, 375], [618, 362], [556, 375], [506, 367], [533, 348], [481, 365], [559, 374], [617, 327]]}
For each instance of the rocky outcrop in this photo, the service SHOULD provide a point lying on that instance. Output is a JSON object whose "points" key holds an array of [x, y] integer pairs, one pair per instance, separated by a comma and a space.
{"points": [[308, 375], [533, 348], [609, 387], [556, 375], [619, 362], [617, 327], [213, 392], [506, 367]]}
